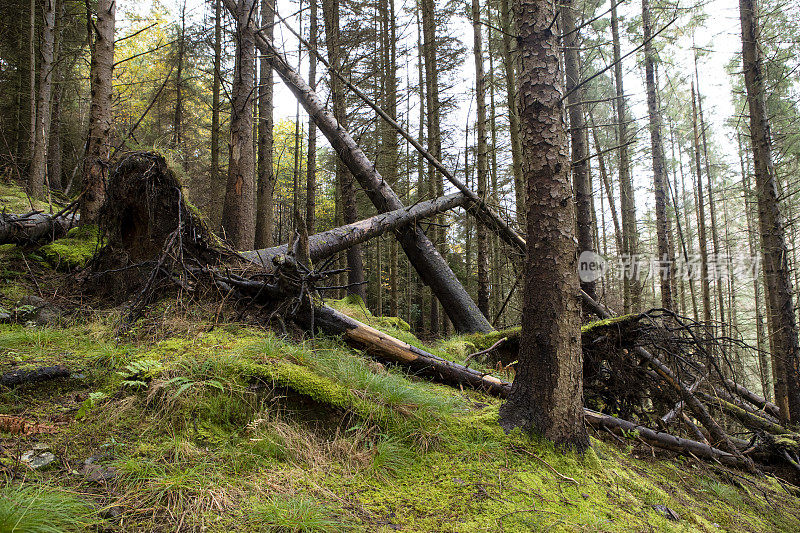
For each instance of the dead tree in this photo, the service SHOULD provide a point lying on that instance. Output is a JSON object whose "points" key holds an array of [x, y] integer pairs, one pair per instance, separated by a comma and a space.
{"points": [[34, 227]]}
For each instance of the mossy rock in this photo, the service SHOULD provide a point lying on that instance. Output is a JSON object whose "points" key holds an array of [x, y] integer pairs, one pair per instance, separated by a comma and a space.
{"points": [[74, 250]]}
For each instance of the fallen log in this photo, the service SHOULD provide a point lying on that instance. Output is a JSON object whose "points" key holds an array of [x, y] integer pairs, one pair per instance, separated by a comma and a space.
{"points": [[747, 419], [16, 378], [423, 255], [753, 398], [327, 243], [34, 227]]}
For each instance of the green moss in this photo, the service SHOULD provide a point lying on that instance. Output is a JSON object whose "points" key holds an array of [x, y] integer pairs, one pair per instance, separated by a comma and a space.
{"points": [[13, 199], [74, 250]]}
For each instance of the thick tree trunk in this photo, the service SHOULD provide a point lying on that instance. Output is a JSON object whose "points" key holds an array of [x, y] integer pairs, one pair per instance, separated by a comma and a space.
{"points": [[578, 135], [38, 169], [265, 225], [327, 243], [238, 217], [773, 238], [34, 227], [547, 394], [98, 148], [481, 156], [355, 262], [426, 259], [659, 162]]}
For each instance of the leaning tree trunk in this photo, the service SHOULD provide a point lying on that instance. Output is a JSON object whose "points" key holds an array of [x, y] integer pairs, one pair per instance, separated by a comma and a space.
{"points": [[238, 216], [430, 265], [547, 394], [98, 149], [773, 237], [36, 178]]}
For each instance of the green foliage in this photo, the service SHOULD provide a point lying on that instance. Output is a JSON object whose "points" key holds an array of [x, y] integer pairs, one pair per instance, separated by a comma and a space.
{"points": [[28, 509], [293, 514], [137, 374], [73, 251], [90, 403]]}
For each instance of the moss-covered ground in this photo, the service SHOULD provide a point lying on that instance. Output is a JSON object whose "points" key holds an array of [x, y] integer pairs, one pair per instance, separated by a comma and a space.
{"points": [[192, 422]]}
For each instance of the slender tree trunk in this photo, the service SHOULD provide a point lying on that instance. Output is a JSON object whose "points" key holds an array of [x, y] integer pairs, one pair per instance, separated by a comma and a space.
{"points": [[311, 165], [701, 219], [238, 217], [355, 263], [601, 164], [630, 237], [546, 397], [513, 114], [773, 240], [578, 131], [419, 298], [177, 122], [480, 95], [38, 169], [98, 148], [265, 210], [216, 175], [659, 162], [32, 79]]}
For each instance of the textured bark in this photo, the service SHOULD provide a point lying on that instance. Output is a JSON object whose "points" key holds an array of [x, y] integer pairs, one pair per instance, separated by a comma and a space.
{"points": [[311, 164], [355, 262], [578, 134], [177, 119], [265, 224], [33, 227], [774, 251], [659, 162], [630, 236], [482, 160], [54, 152], [215, 211], [547, 394], [32, 79], [238, 216], [98, 148], [38, 169], [426, 259]]}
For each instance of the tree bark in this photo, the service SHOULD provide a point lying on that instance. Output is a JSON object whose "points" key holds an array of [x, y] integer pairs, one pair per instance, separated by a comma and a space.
{"points": [[426, 259], [659, 163], [578, 134], [355, 261], [238, 217], [98, 148], [265, 225], [33, 227], [481, 156], [630, 237], [773, 237], [311, 164], [215, 213], [38, 170], [547, 394], [701, 218]]}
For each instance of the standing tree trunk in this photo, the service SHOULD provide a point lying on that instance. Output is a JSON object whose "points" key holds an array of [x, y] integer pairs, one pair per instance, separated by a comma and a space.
{"points": [[238, 218], [482, 159], [311, 164], [630, 237], [659, 162], [546, 397], [266, 177], [215, 211], [177, 120], [32, 79], [773, 240], [355, 262], [701, 218], [513, 117], [95, 163], [578, 133], [43, 116]]}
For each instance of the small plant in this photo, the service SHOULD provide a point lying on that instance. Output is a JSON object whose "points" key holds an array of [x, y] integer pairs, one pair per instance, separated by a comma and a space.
{"points": [[90, 403], [137, 375], [39, 510]]}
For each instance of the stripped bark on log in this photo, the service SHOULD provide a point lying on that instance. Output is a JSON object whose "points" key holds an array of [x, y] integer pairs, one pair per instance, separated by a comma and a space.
{"points": [[34, 227]]}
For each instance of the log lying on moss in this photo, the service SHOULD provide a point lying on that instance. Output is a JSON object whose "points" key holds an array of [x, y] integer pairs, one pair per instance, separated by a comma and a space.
{"points": [[34, 227], [331, 242], [16, 378]]}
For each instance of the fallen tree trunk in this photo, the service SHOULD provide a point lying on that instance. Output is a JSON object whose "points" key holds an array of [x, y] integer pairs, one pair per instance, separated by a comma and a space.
{"points": [[34, 227], [753, 398], [423, 255], [327, 243], [21, 377], [748, 420]]}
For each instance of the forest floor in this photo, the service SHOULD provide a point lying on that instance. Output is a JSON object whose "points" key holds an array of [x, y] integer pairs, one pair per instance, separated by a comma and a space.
{"points": [[195, 421]]}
